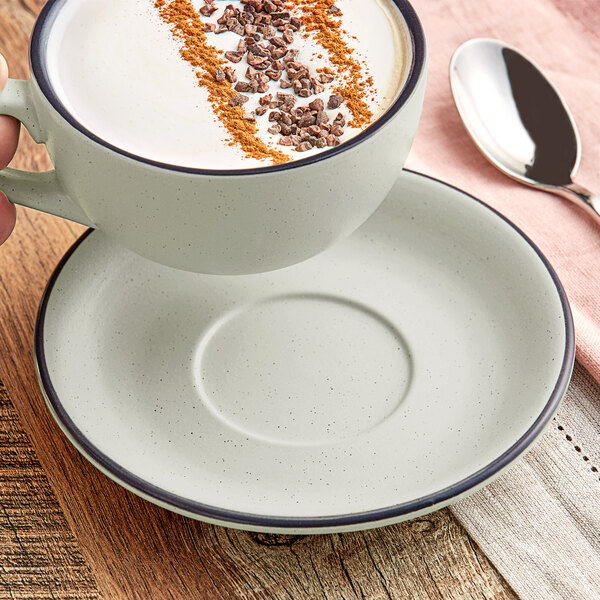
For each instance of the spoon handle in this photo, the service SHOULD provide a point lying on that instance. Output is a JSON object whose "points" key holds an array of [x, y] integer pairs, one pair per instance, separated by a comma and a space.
{"points": [[582, 196]]}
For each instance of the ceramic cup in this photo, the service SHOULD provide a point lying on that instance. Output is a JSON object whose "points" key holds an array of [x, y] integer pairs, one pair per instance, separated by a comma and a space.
{"points": [[221, 222]]}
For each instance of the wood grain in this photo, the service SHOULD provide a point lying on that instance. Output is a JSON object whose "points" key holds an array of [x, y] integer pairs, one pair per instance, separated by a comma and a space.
{"points": [[98, 540], [39, 555]]}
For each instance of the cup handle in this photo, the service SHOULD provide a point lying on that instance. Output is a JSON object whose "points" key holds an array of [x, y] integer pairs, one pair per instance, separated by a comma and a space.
{"points": [[41, 191]]}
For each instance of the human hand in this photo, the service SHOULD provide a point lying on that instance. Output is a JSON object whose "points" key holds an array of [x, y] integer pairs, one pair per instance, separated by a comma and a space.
{"points": [[9, 138]]}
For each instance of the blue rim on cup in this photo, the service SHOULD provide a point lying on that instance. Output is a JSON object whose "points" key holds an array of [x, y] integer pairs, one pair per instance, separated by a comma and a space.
{"points": [[224, 222], [38, 45]]}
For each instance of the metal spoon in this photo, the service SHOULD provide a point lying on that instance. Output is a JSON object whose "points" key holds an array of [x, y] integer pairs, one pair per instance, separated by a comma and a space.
{"points": [[517, 119]]}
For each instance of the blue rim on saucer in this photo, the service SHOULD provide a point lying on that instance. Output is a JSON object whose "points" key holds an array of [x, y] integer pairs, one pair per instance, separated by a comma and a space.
{"points": [[316, 524]]}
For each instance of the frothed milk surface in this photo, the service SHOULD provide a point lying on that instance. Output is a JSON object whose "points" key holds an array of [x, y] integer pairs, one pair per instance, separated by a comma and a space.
{"points": [[117, 68]]}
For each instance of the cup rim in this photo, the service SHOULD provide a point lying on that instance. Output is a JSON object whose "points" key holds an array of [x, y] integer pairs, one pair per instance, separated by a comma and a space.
{"points": [[37, 50]]}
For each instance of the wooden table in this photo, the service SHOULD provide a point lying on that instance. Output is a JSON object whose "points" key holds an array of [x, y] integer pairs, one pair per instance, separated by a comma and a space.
{"points": [[67, 531]]}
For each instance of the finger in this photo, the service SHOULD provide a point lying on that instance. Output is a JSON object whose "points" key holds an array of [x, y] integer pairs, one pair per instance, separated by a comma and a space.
{"points": [[8, 217], [9, 126]]}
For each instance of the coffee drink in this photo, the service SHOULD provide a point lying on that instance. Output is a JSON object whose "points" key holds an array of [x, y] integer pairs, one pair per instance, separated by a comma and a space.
{"points": [[144, 75]]}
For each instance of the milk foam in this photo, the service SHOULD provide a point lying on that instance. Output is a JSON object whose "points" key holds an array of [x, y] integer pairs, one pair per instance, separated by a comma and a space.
{"points": [[118, 71]]}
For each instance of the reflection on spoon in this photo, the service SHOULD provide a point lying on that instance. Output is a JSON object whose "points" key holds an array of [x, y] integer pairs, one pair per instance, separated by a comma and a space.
{"points": [[517, 119]]}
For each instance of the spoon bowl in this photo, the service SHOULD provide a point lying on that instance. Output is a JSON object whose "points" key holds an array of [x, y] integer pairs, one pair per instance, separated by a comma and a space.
{"points": [[517, 119]]}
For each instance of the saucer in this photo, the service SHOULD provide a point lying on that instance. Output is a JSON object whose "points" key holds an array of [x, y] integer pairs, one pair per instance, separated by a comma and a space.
{"points": [[393, 374]]}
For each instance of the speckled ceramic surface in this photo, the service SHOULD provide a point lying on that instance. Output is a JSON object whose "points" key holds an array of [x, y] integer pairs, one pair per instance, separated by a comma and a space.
{"points": [[227, 222], [394, 373]]}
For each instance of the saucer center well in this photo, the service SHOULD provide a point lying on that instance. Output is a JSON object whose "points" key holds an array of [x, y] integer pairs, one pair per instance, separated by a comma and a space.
{"points": [[302, 369]]}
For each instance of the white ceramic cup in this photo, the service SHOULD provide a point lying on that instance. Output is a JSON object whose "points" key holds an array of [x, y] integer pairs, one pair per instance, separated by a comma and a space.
{"points": [[221, 222]]}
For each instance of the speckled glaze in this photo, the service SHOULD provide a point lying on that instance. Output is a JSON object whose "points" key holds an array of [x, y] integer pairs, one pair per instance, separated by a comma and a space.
{"points": [[396, 372], [222, 222]]}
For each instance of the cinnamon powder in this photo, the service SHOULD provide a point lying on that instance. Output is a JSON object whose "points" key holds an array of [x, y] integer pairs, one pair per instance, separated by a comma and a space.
{"points": [[187, 27]]}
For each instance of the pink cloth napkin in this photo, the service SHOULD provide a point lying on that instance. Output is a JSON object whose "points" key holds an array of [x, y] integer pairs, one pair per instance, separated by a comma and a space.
{"points": [[562, 37]]}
